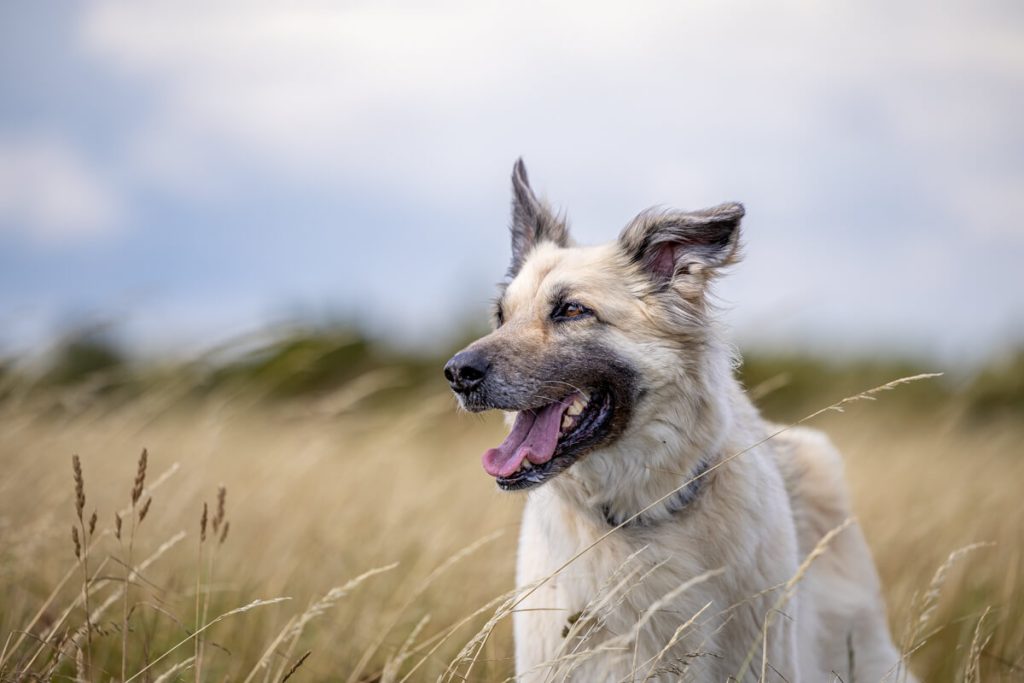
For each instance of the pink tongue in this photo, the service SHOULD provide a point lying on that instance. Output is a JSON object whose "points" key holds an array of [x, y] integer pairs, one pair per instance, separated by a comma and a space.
{"points": [[534, 436]]}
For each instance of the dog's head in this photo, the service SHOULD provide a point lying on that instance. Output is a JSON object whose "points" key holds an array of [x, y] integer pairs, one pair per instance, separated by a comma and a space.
{"points": [[586, 337]]}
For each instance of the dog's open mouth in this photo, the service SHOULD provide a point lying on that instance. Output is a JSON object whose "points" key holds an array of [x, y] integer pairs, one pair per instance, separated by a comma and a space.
{"points": [[548, 440]]}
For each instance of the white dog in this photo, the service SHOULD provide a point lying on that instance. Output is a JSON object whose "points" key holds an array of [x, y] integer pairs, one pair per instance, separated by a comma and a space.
{"points": [[655, 551]]}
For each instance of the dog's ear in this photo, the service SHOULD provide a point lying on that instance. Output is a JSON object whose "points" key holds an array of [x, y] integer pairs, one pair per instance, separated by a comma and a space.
{"points": [[532, 221], [670, 245]]}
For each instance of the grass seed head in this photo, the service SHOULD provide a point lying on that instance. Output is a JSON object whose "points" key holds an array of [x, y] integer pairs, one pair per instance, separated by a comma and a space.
{"points": [[77, 541], [76, 467], [202, 524], [92, 523], [224, 532], [145, 509], [117, 526], [218, 518], [140, 477]]}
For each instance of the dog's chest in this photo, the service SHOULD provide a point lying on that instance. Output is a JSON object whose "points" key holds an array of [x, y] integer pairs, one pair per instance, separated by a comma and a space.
{"points": [[588, 594]]}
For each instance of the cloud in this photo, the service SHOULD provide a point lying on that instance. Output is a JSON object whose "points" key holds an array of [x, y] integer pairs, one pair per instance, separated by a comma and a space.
{"points": [[53, 195], [863, 137], [419, 101]]}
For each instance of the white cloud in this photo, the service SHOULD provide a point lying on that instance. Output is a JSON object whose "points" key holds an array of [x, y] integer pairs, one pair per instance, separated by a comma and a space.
{"points": [[420, 100], [794, 108], [50, 192]]}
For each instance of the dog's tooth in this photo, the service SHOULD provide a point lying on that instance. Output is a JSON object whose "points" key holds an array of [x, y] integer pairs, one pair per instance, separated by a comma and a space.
{"points": [[566, 421], [576, 408], [526, 465]]}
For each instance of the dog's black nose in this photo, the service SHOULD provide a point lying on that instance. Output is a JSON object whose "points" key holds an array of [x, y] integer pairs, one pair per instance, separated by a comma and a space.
{"points": [[466, 370]]}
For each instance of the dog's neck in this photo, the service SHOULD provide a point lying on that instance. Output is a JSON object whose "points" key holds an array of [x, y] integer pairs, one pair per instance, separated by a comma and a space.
{"points": [[674, 503], [663, 463]]}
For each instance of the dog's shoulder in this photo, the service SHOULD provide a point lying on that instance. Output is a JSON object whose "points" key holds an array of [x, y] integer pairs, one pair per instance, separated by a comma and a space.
{"points": [[812, 468], [841, 591]]}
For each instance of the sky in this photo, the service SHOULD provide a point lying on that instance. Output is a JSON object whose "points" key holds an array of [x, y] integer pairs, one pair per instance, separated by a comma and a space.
{"points": [[193, 170]]}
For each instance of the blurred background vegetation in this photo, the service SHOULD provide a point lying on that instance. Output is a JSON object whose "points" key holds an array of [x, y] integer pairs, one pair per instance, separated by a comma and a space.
{"points": [[297, 363]]}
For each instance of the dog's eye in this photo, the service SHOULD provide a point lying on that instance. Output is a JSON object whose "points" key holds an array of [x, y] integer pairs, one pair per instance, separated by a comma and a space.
{"points": [[570, 309]]}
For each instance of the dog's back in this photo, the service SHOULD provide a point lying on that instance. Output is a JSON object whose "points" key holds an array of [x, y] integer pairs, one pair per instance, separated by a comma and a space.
{"points": [[842, 606]]}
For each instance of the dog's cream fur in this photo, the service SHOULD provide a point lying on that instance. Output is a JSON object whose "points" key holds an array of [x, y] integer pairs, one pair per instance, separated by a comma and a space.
{"points": [[757, 517], [708, 592]]}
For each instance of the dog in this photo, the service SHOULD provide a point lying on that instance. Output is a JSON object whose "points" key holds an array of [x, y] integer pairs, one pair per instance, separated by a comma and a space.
{"points": [[669, 531]]}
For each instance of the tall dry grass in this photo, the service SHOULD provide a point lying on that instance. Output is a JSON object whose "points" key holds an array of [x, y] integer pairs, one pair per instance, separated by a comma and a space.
{"points": [[367, 544]]}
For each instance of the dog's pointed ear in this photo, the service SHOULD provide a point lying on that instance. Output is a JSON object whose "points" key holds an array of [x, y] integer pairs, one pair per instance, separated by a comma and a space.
{"points": [[673, 244], [532, 220]]}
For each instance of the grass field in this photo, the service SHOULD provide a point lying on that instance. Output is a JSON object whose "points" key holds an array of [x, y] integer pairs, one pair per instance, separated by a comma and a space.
{"points": [[319, 492]]}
